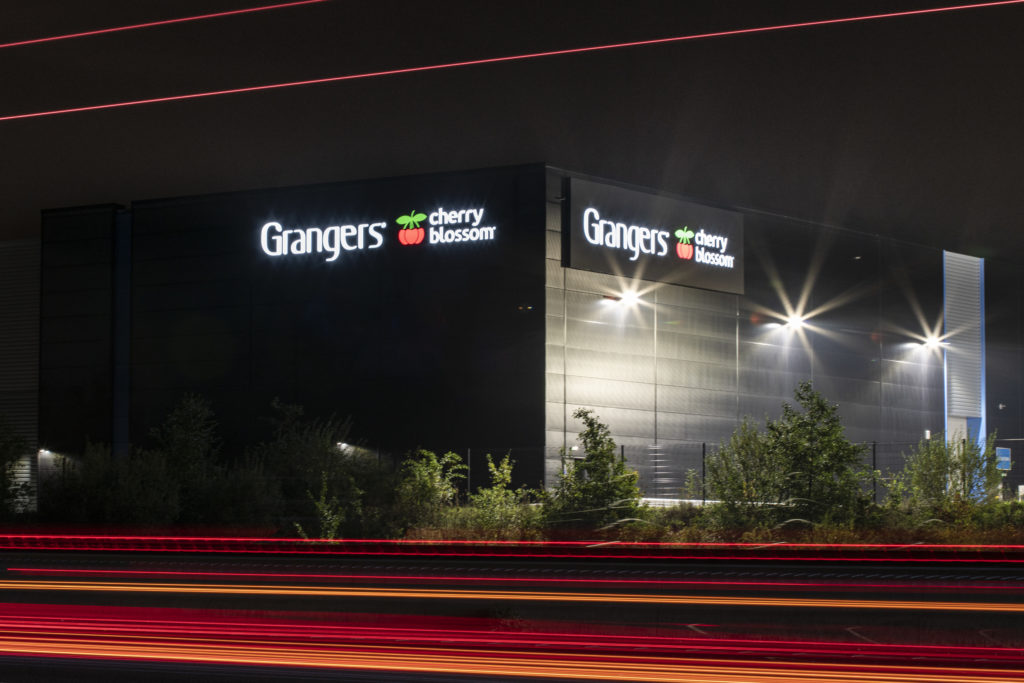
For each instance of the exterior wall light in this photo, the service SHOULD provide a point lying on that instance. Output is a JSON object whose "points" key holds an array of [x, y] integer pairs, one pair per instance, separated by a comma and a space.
{"points": [[933, 343], [794, 322], [630, 298]]}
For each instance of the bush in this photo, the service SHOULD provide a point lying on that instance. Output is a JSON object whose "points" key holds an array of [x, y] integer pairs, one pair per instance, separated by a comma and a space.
{"points": [[596, 491], [802, 469], [428, 488], [498, 512], [950, 481], [138, 490]]}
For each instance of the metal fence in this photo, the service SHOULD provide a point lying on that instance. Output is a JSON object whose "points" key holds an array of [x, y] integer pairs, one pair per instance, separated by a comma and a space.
{"points": [[677, 471]]}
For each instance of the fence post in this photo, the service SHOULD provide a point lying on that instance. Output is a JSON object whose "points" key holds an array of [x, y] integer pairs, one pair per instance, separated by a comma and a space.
{"points": [[703, 458], [874, 468], [622, 452]]}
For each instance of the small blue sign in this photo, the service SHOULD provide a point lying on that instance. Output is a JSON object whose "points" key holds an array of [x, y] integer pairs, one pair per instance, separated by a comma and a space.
{"points": [[1002, 458]]}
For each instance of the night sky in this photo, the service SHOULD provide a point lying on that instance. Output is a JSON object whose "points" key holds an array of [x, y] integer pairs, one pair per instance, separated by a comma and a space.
{"points": [[909, 127]]}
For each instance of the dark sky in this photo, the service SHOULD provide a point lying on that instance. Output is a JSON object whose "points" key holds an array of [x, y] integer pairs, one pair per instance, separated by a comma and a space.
{"points": [[909, 127]]}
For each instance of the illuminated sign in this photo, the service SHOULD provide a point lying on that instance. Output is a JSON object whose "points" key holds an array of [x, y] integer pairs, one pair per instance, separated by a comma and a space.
{"points": [[276, 240], [446, 226], [466, 228], [610, 229]]}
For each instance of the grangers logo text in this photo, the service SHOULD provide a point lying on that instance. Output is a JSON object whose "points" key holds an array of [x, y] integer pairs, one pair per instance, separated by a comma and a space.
{"points": [[279, 241], [706, 247]]}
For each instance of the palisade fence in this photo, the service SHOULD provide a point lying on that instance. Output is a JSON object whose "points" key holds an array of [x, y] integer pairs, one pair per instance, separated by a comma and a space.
{"points": [[678, 470], [675, 471]]}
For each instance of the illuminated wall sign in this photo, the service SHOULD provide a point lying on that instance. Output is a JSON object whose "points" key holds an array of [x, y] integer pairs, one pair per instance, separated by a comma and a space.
{"points": [[466, 226], [279, 241], [446, 226], [610, 229]]}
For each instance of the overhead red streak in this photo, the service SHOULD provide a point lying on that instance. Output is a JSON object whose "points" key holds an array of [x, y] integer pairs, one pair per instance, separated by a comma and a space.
{"points": [[508, 58], [152, 24]]}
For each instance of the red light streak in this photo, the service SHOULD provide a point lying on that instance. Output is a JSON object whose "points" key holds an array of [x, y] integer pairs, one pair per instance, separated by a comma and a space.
{"points": [[504, 59], [153, 24], [129, 573], [20, 619], [580, 550]]}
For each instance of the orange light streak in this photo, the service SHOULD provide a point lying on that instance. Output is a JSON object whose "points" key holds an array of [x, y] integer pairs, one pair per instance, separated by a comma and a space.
{"points": [[529, 596], [497, 663]]}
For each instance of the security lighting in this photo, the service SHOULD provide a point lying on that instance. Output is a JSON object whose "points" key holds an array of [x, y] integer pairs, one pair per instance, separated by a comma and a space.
{"points": [[630, 298], [932, 343], [794, 322]]}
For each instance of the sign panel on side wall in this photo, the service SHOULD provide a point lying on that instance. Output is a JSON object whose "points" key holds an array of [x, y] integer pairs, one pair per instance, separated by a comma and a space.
{"points": [[640, 235], [1002, 458]]}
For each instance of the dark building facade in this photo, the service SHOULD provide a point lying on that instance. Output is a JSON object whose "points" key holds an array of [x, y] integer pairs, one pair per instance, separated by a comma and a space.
{"points": [[480, 309]]}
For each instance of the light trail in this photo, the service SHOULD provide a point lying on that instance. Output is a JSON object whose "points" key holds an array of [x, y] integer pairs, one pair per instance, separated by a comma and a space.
{"points": [[504, 59], [521, 663], [153, 24], [976, 586], [69, 621], [813, 552], [506, 596]]}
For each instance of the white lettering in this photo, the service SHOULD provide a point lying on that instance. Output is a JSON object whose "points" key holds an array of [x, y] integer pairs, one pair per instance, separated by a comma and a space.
{"points": [[591, 231], [662, 244], [707, 239], [348, 231], [271, 243], [332, 240], [636, 238], [373, 230], [711, 258], [443, 236]]}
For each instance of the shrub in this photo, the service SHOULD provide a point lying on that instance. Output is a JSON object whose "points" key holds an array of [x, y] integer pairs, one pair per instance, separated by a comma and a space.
{"points": [[802, 470], [427, 487], [596, 491], [499, 512], [947, 480]]}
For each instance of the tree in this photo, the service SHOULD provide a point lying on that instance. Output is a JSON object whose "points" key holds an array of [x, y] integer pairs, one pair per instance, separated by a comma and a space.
{"points": [[499, 512], [941, 478], [428, 486], [748, 476], [802, 466], [597, 490], [303, 455], [825, 471], [188, 445]]}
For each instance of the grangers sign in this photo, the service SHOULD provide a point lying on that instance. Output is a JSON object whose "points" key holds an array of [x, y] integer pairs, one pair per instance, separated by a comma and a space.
{"points": [[624, 232], [438, 226]]}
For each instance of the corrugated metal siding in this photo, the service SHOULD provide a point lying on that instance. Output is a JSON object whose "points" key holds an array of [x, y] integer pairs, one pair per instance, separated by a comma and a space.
{"points": [[19, 337], [965, 353]]}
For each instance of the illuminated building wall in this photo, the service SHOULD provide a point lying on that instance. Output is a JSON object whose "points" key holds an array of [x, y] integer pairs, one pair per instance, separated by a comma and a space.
{"points": [[454, 311], [681, 365]]}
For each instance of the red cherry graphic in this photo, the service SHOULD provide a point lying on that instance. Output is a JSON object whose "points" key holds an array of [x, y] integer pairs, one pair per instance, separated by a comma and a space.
{"points": [[684, 251], [411, 235]]}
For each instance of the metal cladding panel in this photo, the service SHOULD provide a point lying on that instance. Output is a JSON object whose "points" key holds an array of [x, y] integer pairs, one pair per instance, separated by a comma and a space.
{"points": [[600, 393], [19, 337], [963, 313]]}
